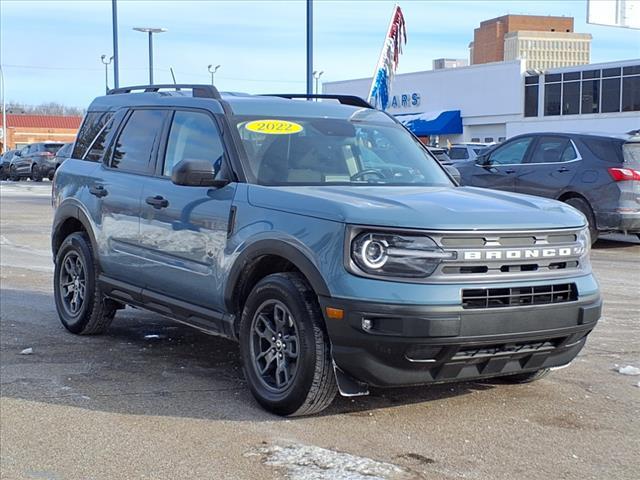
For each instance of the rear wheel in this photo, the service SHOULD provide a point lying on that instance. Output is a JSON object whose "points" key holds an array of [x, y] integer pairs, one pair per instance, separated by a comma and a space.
{"points": [[583, 207], [36, 173], [285, 349], [79, 301]]}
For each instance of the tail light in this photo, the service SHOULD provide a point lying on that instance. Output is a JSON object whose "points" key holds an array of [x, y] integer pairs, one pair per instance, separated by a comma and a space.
{"points": [[622, 174]]}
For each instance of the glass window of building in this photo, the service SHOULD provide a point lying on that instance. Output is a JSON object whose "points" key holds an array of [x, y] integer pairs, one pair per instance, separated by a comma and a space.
{"points": [[610, 95], [631, 93], [570, 98], [590, 96], [552, 98]]}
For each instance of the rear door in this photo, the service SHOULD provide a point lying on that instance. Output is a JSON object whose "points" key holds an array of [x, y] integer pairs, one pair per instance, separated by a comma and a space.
{"points": [[551, 167], [117, 187], [183, 229], [22, 163], [500, 167]]}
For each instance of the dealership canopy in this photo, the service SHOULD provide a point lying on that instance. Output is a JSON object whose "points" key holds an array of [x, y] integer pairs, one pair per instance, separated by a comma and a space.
{"points": [[443, 122]]}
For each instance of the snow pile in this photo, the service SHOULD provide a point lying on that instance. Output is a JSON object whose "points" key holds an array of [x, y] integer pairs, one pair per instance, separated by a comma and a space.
{"points": [[628, 370], [314, 463]]}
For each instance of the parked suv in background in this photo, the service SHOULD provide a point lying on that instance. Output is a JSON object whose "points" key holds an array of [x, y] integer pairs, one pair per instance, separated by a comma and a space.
{"points": [[467, 151], [61, 155], [34, 161], [322, 236], [597, 174], [5, 163]]}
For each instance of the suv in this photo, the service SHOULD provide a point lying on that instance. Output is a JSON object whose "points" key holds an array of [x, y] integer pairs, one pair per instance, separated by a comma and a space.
{"points": [[34, 161], [5, 163], [322, 236], [467, 151], [597, 174]]}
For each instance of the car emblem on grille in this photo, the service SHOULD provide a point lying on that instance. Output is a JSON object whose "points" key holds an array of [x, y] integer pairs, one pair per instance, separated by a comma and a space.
{"points": [[524, 253]]}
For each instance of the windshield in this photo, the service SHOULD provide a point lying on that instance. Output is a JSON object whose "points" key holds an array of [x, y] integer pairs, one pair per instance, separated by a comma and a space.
{"points": [[326, 151]]}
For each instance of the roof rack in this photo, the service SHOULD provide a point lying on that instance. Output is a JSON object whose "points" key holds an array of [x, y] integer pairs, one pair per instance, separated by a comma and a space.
{"points": [[198, 90], [352, 100]]}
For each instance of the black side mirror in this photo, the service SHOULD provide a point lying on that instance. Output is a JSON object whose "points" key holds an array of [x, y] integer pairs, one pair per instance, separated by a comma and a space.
{"points": [[483, 160], [454, 172], [197, 173], [17, 154]]}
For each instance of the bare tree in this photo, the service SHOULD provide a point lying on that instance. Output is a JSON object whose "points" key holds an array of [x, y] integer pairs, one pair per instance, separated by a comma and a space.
{"points": [[48, 108]]}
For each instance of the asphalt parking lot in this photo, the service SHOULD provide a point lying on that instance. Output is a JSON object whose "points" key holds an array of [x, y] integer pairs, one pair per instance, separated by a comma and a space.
{"points": [[154, 399]]}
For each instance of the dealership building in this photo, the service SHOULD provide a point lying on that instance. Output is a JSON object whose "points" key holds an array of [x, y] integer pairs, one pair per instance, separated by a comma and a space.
{"points": [[493, 101]]}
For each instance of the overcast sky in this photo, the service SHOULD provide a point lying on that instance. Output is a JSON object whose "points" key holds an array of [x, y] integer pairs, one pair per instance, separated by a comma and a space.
{"points": [[50, 50]]}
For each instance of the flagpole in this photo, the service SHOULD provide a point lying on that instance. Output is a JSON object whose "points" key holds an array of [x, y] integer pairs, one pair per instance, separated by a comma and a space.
{"points": [[382, 50]]}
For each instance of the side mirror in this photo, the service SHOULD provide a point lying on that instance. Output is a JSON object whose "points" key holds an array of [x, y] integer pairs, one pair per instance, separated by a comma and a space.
{"points": [[483, 160], [454, 172], [197, 173], [17, 154]]}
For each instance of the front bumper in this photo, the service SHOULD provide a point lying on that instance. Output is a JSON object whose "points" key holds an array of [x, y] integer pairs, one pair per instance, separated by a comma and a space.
{"points": [[413, 345]]}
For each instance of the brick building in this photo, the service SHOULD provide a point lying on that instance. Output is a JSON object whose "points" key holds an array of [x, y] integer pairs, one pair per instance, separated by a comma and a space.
{"points": [[25, 129], [489, 39]]}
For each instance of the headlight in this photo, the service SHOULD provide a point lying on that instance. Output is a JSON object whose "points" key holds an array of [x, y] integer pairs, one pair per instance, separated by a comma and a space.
{"points": [[584, 240], [396, 254]]}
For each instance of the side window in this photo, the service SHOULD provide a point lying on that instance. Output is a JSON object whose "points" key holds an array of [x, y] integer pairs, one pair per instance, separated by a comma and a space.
{"points": [[553, 150], [93, 123], [134, 145], [97, 148], [511, 153], [458, 153], [194, 136]]}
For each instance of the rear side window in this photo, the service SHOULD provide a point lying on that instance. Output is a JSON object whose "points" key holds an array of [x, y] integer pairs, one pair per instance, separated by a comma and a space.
{"points": [[607, 149], [93, 123], [134, 146], [193, 136], [553, 150]]}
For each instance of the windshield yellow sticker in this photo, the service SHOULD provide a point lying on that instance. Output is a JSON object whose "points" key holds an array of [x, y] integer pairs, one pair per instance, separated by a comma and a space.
{"points": [[274, 127]]}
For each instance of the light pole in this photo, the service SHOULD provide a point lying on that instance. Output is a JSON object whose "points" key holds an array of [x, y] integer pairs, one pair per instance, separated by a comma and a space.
{"points": [[317, 74], [212, 71], [114, 31], [150, 31], [106, 63], [5, 130]]}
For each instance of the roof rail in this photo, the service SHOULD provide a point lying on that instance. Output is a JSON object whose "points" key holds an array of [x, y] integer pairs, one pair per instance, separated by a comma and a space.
{"points": [[352, 100], [205, 91]]}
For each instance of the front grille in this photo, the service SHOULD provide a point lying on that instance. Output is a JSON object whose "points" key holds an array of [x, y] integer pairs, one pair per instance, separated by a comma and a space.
{"points": [[498, 350], [518, 296]]}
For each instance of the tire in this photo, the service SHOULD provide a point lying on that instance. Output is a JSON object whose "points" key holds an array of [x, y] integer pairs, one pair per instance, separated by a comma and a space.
{"points": [[36, 173], [92, 312], [525, 377], [13, 174], [584, 208], [300, 380]]}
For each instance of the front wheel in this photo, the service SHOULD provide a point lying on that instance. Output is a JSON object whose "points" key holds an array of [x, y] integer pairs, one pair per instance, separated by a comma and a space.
{"points": [[36, 173], [13, 174], [285, 349], [79, 301]]}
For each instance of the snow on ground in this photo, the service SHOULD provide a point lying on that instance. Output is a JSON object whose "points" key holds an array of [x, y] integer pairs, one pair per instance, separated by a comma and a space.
{"points": [[22, 256], [19, 189], [305, 462]]}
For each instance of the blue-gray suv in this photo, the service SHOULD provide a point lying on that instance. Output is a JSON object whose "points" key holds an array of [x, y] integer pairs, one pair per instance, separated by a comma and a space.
{"points": [[321, 235]]}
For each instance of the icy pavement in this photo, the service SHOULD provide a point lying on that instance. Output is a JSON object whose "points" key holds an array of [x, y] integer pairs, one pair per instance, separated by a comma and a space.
{"points": [[19, 189], [305, 462], [22, 256]]}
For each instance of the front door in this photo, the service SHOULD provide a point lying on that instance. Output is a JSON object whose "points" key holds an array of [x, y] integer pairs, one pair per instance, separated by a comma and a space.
{"points": [[500, 167], [550, 168], [183, 229]]}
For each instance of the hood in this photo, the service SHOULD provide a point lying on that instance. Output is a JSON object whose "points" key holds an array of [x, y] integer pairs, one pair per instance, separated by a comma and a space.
{"points": [[437, 208]]}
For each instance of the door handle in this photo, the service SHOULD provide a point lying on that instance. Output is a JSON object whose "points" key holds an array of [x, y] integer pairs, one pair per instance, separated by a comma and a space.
{"points": [[511, 170], [563, 169], [158, 202], [98, 190]]}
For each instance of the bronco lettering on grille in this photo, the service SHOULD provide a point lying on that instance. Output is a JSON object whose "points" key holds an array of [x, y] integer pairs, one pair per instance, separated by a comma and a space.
{"points": [[523, 253]]}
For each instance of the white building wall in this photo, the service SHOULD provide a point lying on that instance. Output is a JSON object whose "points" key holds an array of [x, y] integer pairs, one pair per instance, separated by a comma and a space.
{"points": [[595, 123]]}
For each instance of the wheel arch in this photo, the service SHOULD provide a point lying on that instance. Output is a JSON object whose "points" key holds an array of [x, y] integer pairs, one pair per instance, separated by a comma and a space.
{"points": [[70, 218], [263, 258]]}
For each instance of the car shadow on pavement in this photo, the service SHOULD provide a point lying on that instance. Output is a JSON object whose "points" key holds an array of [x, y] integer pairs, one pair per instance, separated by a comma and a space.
{"points": [[148, 365], [616, 241]]}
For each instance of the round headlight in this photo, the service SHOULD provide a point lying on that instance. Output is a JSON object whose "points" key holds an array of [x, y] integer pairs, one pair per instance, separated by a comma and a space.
{"points": [[373, 253]]}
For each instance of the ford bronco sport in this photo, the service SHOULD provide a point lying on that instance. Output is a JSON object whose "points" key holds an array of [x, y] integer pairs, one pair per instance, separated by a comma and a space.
{"points": [[321, 236]]}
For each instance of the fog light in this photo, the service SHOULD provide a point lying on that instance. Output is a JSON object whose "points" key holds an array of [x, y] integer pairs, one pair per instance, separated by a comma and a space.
{"points": [[367, 324]]}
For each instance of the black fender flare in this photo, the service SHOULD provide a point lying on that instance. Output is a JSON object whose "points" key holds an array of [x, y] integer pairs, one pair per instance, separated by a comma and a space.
{"points": [[63, 213], [273, 247]]}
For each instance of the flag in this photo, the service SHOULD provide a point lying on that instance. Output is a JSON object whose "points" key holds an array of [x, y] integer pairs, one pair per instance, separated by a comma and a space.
{"points": [[388, 61]]}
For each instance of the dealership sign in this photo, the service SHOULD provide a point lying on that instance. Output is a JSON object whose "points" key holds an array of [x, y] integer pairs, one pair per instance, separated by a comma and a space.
{"points": [[405, 100]]}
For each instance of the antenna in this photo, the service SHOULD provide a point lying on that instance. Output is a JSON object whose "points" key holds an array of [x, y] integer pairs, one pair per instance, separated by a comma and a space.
{"points": [[173, 76]]}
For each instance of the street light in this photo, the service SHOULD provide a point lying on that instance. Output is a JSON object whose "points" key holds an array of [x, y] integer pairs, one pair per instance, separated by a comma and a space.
{"points": [[150, 31], [317, 74], [5, 130], [106, 63], [212, 71]]}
